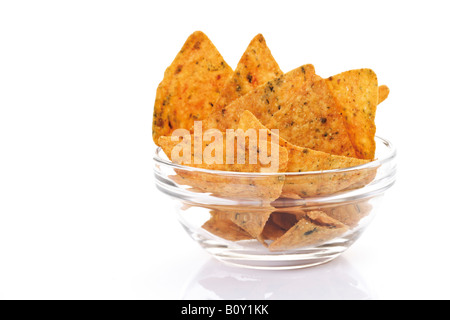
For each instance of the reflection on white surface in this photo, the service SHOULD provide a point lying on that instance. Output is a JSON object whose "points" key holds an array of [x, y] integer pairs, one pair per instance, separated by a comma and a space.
{"points": [[334, 280]]}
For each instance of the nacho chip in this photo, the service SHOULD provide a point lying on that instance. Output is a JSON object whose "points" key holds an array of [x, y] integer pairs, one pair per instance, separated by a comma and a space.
{"points": [[369, 175], [190, 86], [383, 93], [260, 190], [263, 101], [357, 93], [314, 185], [263, 188], [349, 214], [215, 157], [252, 220], [302, 159], [225, 228], [316, 228], [313, 120], [256, 67]]}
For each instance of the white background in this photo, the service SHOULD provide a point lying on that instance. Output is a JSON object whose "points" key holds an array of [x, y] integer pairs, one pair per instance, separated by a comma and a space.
{"points": [[80, 217]]}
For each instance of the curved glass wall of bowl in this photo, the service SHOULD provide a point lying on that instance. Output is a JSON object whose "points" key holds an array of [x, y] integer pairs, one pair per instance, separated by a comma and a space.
{"points": [[277, 220]]}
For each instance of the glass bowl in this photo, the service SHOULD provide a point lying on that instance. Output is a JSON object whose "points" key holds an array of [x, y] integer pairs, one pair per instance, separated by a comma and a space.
{"points": [[276, 220]]}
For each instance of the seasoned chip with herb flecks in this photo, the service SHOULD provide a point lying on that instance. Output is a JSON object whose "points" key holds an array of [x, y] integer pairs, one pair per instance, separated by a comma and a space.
{"points": [[190, 86], [313, 120], [246, 153], [252, 220], [259, 189], [225, 228], [314, 229], [357, 93], [349, 213], [302, 159], [263, 101], [305, 160], [256, 67]]}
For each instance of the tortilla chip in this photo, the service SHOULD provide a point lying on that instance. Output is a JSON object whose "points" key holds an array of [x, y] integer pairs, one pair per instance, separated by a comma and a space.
{"points": [[383, 93], [262, 188], [190, 86], [316, 228], [369, 175], [256, 67], [349, 214], [357, 93], [302, 159], [252, 220], [263, 101], [225, 228], [313, 120], [237, 163], [314, 185], [259, 190]]}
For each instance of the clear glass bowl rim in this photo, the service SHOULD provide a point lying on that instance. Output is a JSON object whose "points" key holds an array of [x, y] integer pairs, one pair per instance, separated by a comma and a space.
{"points": [[389, 156]]}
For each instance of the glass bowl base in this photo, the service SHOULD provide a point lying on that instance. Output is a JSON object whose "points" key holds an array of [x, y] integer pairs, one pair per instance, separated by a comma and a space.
{"points": [[249, 254]]}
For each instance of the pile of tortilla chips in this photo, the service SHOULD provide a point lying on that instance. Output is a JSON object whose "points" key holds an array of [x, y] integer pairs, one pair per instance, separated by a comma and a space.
{"points": [[320, 124]]}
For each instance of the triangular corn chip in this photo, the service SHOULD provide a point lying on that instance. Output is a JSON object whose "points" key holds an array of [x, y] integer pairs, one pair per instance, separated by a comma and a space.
{"points": [[313, 120], [190, 86], [256, 67], [203, 155], [259, 190], [263, 101], [349, 213], [249, 219], [314, 229], [302, 159], [357, 93], [225, 228]]}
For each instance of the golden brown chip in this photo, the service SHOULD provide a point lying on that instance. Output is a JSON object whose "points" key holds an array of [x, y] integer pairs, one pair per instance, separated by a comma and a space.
{"points": [[258, 189], [246, 154], [190, 86], [349, 213], [252, 220], [262, 188], [226, 229], [316, 228], [262, 101], [313, 120], [321, 184], [383, 93], [357, 93], [322, 219], [302, 159], [369, 175], [256, 67]]}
